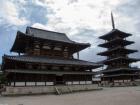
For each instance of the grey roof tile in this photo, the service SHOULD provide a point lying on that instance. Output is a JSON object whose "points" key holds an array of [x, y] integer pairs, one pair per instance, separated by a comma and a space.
{"points": [[45, 34], [48, 60]]}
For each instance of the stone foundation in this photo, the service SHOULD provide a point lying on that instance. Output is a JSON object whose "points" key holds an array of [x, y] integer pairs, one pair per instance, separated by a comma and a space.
{"points": [[120, 84], [9, 90]]}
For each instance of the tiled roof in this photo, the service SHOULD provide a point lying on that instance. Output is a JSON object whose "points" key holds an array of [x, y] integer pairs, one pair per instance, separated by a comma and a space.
{"points": [[45, 37], [48, 60], [119, 59], [113, 32], [120, 69], [49, 72], [121, 49], [45, 34], [118, 75], [115, 42]]}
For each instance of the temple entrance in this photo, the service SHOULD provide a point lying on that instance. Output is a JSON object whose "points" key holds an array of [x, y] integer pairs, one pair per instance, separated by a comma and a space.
{"points": [[59, 80]]}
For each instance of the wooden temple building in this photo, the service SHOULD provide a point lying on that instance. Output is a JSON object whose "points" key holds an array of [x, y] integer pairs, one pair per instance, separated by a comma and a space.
{"points": [[46, 58], [118, 62]]}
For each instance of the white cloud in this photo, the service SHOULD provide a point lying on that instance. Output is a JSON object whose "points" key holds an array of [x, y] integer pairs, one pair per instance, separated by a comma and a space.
{"points": [[40, 26], [10, 14], [74, 16], [137, 64], [81, 13]]}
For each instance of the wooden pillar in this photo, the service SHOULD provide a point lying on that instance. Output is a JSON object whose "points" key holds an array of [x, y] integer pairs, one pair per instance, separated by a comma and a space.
{"points": [[25, 80], [19, 53], [25, 83], [85, 79], [103, 80], [45, 83], [77, 55], [65, 52], [132, 79], [14, 80], [113, 81], [52, 48], [14, 83], [35, 83], [41, 47], [90, 70]]}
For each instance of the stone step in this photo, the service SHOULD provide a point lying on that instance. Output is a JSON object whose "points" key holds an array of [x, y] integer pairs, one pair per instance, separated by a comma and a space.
{"points": [[70, 89], [57, 90], [63, 90]]}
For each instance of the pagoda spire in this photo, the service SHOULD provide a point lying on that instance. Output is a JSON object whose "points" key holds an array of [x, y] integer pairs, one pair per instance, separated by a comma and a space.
{"points": [[112, 20]]}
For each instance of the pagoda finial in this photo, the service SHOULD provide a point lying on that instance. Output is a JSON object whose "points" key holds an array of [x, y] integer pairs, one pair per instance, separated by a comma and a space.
{"points": [[112, 19]]}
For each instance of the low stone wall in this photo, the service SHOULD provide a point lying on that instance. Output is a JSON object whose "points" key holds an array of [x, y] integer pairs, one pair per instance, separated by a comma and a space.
{"points": [[120, 84], [9, 90]]}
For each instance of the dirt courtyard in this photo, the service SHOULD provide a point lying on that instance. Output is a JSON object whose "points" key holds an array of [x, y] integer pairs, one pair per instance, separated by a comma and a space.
{"points": [[107, 96]]}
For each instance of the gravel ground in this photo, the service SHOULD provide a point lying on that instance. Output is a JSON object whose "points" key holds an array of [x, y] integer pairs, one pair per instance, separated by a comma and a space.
{"points": [[107, 96]]}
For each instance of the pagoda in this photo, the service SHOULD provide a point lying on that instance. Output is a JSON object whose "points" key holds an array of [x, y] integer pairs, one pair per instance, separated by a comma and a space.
{"points": [[118, 67], [46, 58]]}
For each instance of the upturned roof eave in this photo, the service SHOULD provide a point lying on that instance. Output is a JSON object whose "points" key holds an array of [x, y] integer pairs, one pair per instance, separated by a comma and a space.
{"points": [[117, 75], [49, 72], [23, 36], [65, 38], [54, 61], [106, 53], [105, 36], [120, 58], [131, 69], [108, 44]]}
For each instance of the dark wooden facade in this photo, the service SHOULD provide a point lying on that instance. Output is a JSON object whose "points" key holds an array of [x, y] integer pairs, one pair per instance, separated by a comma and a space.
{"points": [[46, 58], [118, 62]]}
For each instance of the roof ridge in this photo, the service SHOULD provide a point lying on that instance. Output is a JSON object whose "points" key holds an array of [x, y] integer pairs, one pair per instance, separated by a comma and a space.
{"points": [[64, 34], [114, 30], [123, 31], [46, 30]]}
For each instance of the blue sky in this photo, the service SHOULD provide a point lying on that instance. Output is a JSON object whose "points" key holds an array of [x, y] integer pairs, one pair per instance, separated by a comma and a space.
{"points": [[81, 20], [16, 15]]}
